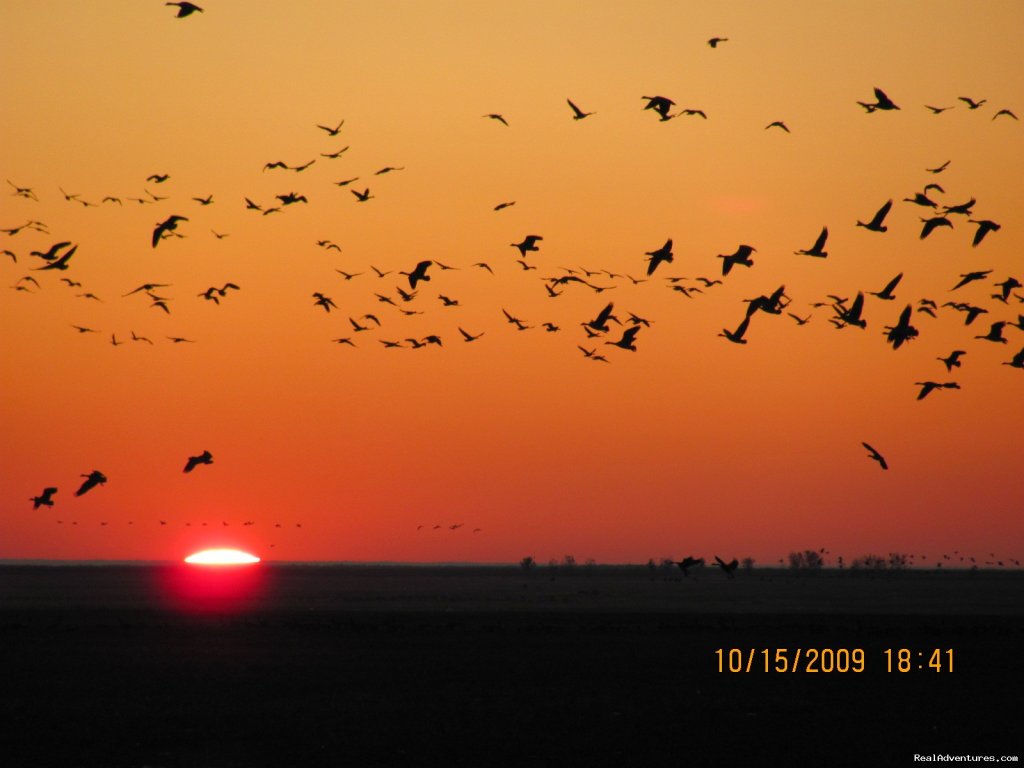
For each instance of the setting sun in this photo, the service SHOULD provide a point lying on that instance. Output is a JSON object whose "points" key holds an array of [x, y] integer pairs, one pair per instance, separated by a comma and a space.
{"points": [[221, 557]]}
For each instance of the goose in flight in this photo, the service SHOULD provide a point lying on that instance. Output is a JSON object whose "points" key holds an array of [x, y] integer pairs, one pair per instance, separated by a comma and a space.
{"points": [[876, 225], [995, 333], [577, 113], [984, 227], [628, 339], [185, 9], [882, 102], [332, 132], [661, 105], [971, 103], [714, 41], [929, 386], [418, 274], [742, 256], [886, 293], [158, 178], [334, 155], [936, 110], [1017, 361], [529, 244], [470, 337], [953, 360], [939, 168], [657, 257], [500, 118], [600, 323], [45, 499], [194, 461], [167, 225], [502, 206], [736, 337], [873, 454], [727, 568], [851, 315], [932, 223], [61, 263], [92, 479], [51, 254], [778, 124], [1006, 112], [970, 277], [963, 208], [323, 301], [363, 196], [903, 331], [817, 248], [687, 563]]}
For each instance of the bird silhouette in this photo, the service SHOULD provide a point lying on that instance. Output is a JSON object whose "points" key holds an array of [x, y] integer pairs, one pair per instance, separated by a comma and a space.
{"points": [[1017, 361], [689, 562], [600, 323], [984, 227], [577, 113], [903, 331], [852, 315], [741, 256], [778, 124], [332, 132], [363, 196], [418, 274], [995, 333], [964, 209], [930, 386], [939, 168], [971, 103], [194, 461], [529, 243], [882, 102], [886, 293], [876, 225], [59, 263], [468, 336], [663, 254], [729, 568], [627, 340], [953, 360], [817, 248], [499, 118], [185, 9], [873, 454], [167, 225], [661, 105], [502, 206], [1006, 112], [936, 110], [45, 499], [970, 277], [932, 223], [736, 337], [92, 479], [714, 41]]}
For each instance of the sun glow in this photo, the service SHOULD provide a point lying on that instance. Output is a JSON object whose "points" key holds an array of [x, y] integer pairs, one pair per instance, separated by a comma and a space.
{"points": [[221, 557]]}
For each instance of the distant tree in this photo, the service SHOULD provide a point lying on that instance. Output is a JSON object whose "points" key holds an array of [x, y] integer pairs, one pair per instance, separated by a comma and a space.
{"points": [[796, 560], [527, 563], [898, 561], [590, 563], [808, 560], [569, 561], [869, 563], [652, 568], [747, 563]]}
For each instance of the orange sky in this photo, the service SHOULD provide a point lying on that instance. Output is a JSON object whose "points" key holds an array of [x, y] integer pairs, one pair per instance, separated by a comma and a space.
{"points": [[689, 445]]}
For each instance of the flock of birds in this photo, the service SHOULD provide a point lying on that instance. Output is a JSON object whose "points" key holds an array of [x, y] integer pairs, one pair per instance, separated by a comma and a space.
{"points": [[609, 328]]}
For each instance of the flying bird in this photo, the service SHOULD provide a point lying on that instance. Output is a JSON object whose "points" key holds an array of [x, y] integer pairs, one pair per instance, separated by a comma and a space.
{"points": [[714, 41], [886, 293], [194, 461], [876, 225], [92, 479], [882, 102], [778, 124], [687, 563], [953, 360], [736, 337], [970, 277], [529, 244], [332, 132], [168, 225], [657, 257], [742, 256], [418, 274], [903, 331], [929, 386], [61, 263], [661, 105], [45, 499], [817, 248], [932, 223], [984, 227], [1006, 112], [627, 340], [971, 103], [577, 113], [500, 118], [727, 568], [873, 454], [185, 9]]}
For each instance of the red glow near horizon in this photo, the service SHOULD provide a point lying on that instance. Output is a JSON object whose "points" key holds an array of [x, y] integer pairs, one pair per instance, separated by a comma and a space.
{"points": [[221, 557]]}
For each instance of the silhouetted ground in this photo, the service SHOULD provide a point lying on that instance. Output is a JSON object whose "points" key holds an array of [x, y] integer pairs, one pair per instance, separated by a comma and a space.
{"points": [[297, 665]]}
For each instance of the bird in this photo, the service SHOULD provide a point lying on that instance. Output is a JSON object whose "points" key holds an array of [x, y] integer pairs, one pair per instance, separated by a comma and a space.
{"points": [[418, 274], [819, 244], [577, 113], [984, 227], [971, 103], [727, 568], [694, 113], [168, 225], [388, 169], [1007, 286], [886, 293], [1017, 361], [334, 155], [363, 196], [529, 243], [936, 110], [736, 337], [60, 263], [324, 301], [875, 225], [873, 454], [51, 253], [995, 333], [778, 124], [932, 223], [938, 168], [470, 337], [903, 331], [194, 461], [500, 118], [208, 200], [45, 499], [963, 208], [921, 199], [714, 41], [851, 315], [627, 340], [952, 360], [882, 102], [158, 178], [185, 9], [970, 277], [657, 257], [929, 386], [332, 132], [742, 256], [600, 323], [92, 479], [661, 105], [502, 206], [1006, 112]]}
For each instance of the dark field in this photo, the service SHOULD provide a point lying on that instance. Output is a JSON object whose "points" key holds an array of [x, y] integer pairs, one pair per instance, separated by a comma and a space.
{"points": [[358, 665]]}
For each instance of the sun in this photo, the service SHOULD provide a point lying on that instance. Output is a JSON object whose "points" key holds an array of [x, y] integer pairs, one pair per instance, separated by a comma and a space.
{"points": [[221, 557]]}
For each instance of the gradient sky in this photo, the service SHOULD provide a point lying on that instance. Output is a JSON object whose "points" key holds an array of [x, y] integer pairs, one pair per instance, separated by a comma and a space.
{"points": [[691, 445]]}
